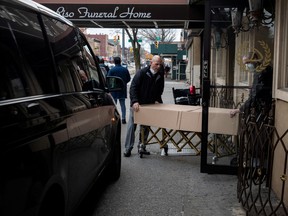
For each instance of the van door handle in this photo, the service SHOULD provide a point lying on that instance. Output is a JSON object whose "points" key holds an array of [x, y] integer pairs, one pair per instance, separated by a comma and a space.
{"points": [[100, 99], [33, 108]]}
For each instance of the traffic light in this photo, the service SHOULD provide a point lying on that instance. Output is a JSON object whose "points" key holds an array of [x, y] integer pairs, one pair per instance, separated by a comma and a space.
{"points": [[156, 44]]}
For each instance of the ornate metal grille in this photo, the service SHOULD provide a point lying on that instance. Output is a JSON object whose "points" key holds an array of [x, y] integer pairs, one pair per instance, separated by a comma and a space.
{"points": [[259, 140], [258, 143]]}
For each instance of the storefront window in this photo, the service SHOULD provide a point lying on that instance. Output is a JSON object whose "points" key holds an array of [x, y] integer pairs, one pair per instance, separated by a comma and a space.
{"points": [[281, 47]]}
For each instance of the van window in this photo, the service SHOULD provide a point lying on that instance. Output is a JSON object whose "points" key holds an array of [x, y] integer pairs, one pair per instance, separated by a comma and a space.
{"points": [[71, 56], [26, 61], [12, 83], [91, 64]]}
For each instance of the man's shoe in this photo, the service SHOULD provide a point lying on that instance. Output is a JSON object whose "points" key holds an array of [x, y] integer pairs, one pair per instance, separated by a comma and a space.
{"points": [[123, 121], [142, 149], [127, 153]]}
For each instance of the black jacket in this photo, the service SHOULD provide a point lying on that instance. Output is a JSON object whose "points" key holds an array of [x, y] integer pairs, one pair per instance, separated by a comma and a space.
{"points": [[261, 91], [147, 88]]}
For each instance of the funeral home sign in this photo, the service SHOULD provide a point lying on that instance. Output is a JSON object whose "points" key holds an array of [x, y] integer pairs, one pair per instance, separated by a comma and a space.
{"points": [[127, 12], [85, 13]]}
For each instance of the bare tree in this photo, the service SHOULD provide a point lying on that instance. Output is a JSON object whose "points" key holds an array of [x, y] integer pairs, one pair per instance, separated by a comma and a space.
{"points": [[132, 34], [163, 35]]}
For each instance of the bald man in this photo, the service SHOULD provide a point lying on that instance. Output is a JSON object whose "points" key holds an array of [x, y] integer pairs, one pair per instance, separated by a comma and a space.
{"points": [[146, 87]]}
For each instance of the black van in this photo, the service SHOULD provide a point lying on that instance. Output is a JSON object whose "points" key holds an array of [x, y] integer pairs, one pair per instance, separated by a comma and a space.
{"points": [[59, 126]]}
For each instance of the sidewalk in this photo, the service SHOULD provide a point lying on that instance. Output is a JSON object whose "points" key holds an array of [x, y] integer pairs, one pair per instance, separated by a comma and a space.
{"points": [[169, 185]]}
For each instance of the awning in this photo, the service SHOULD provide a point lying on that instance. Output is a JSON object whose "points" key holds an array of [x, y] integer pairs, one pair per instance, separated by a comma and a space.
{"points": [[132, 16]]}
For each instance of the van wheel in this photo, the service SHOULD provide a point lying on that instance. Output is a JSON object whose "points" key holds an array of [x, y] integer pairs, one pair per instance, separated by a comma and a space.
{"points": [[114, 168]]}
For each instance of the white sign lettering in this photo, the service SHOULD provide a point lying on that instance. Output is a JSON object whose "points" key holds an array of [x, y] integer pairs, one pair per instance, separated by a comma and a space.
{"points": [[84, 13], [62, 12], [134, 15], [205, 68]]}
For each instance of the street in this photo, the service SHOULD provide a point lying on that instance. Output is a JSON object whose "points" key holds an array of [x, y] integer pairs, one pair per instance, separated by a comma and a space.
{"points": [[165, 185]]}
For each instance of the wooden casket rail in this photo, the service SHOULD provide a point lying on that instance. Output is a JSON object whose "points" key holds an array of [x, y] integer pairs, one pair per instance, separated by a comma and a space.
{"points": [[168, 121]]}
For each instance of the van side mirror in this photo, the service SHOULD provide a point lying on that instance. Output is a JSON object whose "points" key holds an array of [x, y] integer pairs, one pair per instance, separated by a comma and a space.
{"points": [[115, 83]]}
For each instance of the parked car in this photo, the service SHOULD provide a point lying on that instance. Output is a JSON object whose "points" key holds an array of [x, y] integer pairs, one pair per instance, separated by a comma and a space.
{"points": [[110, 65], [59, 128], [124, 64]]}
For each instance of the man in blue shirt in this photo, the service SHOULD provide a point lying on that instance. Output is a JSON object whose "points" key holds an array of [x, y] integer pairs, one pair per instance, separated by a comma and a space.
{"points": [[124, 74]]}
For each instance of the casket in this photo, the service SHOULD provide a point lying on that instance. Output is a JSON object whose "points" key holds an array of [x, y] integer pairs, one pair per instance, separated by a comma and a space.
{"points": [[187, 118]]}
